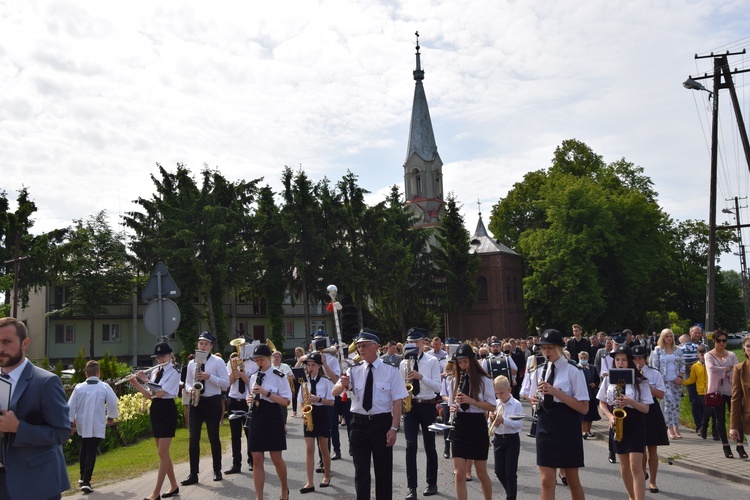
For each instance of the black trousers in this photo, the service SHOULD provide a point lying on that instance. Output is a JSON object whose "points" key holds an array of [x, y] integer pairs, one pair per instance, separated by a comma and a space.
{"points": [[368, 445], [421, 415], [87, 457], [237, 428], [721, 419], [695, 404], [506, 449], [208, 411]]}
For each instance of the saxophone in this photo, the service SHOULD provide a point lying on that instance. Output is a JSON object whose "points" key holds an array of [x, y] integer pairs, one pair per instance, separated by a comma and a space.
{"points": [[307, 408], [200, 359], [619, 413], [409, 387]]}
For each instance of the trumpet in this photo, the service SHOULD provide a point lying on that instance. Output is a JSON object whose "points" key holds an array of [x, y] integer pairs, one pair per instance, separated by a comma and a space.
{"points": [[409, 387], [237, 363], [619, 413], [307, 408], [128, 378], [499, 412]]}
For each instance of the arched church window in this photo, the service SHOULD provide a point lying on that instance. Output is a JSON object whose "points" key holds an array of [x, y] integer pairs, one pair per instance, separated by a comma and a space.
{"points": [[482, 292]]}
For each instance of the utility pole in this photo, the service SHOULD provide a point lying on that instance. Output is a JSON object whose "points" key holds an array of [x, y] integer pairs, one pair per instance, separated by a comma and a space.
{"points": [[721, 69], [16, 261], [743, 259]]}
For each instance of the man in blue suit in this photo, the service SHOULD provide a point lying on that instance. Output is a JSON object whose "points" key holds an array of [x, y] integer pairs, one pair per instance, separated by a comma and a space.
{"points": [[36, 424]]}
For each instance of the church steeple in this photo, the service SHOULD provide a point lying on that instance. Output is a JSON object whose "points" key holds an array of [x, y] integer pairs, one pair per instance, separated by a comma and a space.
{"points": [[422, 168]]}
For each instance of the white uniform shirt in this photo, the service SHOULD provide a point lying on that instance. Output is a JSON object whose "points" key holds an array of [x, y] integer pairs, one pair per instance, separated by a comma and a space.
{"points": [[512, 407], [250, 367], [388, 386], [568, 378], [91, 404], [607, 393], [170, 381], [654, 378], [333, 363], [217, 382], [274, 381], [429, 367], [486, 393], [323, 388], [442, 358]]}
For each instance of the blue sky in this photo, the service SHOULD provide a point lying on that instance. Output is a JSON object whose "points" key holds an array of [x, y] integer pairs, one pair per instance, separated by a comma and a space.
{"points": [[96, 93]]}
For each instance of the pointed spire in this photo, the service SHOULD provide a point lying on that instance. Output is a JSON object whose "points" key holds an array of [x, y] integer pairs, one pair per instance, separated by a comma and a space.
{"points": [[480, 230], [421, 137], [418, 73]]}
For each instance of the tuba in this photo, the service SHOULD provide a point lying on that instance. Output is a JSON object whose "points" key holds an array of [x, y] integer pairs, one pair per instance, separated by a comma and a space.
{"points": [[619, 413], [307, 408], [409, 387]]}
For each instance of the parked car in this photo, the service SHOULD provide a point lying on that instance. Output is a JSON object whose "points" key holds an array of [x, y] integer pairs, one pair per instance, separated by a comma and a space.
{"points": [[734, 340]]}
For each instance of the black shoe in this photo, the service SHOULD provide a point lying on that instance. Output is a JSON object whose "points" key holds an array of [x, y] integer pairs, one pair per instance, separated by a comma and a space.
{"points": [[191, 479], [446, 454], [728, 451], [172, 493], [86, 488], [702, 433], [324, 484], [741, 451], [217, 475], [564, 480], [612, 458], [653, 490], [412, 494], [336, 455], [320, 468], [716, 437], [430, 490], [309, 489], [234, 470]]}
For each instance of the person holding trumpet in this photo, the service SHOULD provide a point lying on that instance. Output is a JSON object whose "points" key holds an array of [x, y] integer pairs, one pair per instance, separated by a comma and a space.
{"points": [[239, 372], [504, 430], [633, 400], [314, 396]]}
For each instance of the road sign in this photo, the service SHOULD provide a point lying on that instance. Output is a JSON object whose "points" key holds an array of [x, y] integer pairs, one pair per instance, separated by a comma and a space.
{"points": [[160, 285], [152, 317]]}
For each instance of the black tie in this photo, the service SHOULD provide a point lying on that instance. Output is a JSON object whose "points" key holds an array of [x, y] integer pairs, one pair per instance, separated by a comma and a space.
{"points": [[259, 381], [549, 398], [367, 400], [159, 375], [313, 383], [241, 386], [415, 382], [5, 376], [464, 389], [203, 367]]}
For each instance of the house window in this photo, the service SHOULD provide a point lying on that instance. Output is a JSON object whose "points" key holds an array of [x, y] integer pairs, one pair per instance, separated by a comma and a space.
{"points": [[65, 334], [482, 292], [110, 332], [317, 325], [259, 306], [288, 329]]}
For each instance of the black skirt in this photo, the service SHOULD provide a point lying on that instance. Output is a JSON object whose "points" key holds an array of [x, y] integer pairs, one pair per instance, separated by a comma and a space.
{"points": [[321, 422], [558, 437], [470, 438], [593, 413], [163, 416], [267, 428], [633, 433], [656, 429]]}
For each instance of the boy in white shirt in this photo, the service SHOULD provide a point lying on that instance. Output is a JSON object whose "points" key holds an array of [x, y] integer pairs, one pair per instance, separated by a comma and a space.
{"points": [[506, 442]]}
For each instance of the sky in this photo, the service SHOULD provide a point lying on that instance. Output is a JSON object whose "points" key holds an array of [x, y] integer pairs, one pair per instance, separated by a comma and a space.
{"points": [[95, 94]]}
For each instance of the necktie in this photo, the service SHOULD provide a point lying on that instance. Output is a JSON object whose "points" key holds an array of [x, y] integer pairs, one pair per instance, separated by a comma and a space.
{"points": [[159, 374], [464, 389], [367, 399], [548, 398], [415, 382], [313, 384], [259, 381], [5, 376], [203, 390], [241, 386]]}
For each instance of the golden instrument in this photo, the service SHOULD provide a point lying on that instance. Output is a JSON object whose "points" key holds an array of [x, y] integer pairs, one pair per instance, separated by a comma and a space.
{"points": [[409, 387], [308, 407], [237, 363], [200, 359], [352, 347], [128, 378], [619, 413], [270, 345], [499, 412]]}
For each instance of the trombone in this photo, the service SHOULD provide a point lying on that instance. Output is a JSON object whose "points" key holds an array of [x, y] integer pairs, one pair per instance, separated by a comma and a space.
{"points": [[128, 378]]}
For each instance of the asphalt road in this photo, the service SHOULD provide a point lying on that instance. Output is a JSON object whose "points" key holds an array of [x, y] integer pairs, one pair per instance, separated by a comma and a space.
{"points": [[601, 479]]}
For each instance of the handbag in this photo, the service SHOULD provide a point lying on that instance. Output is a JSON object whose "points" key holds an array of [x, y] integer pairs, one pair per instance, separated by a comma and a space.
{"points": [[714, 399]]}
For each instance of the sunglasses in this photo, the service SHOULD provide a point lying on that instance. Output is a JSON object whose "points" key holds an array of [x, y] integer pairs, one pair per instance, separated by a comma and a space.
{"points": [[720, 341]]}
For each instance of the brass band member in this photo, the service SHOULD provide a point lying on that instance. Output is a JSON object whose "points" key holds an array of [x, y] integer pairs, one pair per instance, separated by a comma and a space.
{"points": [[377, 390], [213, 376], [270, 391], [239, 389], [424, 376], [317, 389], [163, 415], [635, 399], [563, 399], [471, 394]]}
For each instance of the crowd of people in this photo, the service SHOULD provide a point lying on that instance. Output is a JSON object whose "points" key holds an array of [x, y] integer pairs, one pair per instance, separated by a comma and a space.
{"points": [[473, 389]]}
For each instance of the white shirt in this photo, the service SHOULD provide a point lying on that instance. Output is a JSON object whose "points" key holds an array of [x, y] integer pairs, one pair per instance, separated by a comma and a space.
{"points": [[250, 367], [14, 376], [568, 378], [654, 378], [429, 367], [388, 386], [217, 382], [512, 407], [486, 393], [323, 389], [170, 381], [274, 381], [91, 403], [333, 363], [607, 392]]}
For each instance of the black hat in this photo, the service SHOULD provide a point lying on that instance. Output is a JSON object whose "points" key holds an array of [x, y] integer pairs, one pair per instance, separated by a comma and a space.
{"points": [[639, 350], [368, 335], [415, 333], [315, 356], [551, 337], [161, 349], [261, 350], [496, 342], [619, 338], [451, 341], [320, 334], [465, 351], [622, 349], [207, 336]]}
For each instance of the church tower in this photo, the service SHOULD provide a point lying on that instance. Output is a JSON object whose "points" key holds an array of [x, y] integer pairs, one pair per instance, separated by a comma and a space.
{"points": [[423, 176]]}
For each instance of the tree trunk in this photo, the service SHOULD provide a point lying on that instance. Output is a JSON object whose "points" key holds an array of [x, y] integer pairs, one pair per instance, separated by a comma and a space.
{"points": [[306, 302], [211, 315], [91, 340]]}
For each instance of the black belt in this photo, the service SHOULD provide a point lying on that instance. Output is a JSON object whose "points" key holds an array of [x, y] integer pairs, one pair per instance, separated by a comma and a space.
{"points": [[359, 416], [505, 436], [239, 400], [429, 401]]}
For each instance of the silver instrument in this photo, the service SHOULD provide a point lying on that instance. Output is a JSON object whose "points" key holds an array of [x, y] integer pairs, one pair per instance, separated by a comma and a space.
{"points": [[128, 378], [200, 360]]}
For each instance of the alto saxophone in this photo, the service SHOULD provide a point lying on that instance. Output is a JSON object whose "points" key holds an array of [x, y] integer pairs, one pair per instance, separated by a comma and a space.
{"points": [[619, 413], [200, 359], [308, 407], [409, 387]]}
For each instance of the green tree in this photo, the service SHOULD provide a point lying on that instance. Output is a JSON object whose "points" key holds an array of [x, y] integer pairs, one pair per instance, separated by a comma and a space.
{"points": [[96, 268]]}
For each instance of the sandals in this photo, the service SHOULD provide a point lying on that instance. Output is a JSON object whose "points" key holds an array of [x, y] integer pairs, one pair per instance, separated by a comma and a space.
{"points": [[728, 451], [741, 451]]}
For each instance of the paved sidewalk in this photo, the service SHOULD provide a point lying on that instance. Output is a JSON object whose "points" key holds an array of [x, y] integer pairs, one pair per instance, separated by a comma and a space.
{"points": [[692, 452]]}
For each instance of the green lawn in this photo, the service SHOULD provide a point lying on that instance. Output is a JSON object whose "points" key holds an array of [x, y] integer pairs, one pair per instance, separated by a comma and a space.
{"points": [[132, 461]]}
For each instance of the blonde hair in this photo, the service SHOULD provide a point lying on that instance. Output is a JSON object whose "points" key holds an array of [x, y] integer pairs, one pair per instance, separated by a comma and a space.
{"points": [[663, 334], [501, 381]]}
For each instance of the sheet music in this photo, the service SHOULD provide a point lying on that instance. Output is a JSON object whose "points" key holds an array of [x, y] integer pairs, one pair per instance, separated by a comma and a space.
{"points": [[5, 386]]}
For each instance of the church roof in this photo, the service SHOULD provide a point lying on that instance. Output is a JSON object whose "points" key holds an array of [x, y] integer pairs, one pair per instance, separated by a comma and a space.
{"points": [[421, 136], [481, 242]]}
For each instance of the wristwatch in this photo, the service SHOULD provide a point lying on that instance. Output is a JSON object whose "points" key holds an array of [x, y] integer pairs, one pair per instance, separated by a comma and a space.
{"points": [[395, 429]]}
